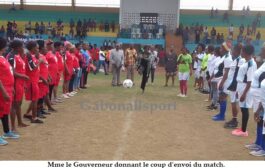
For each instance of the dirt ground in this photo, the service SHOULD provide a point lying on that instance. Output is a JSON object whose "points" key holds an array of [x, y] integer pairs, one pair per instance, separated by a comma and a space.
{"points": [[83, 130]]}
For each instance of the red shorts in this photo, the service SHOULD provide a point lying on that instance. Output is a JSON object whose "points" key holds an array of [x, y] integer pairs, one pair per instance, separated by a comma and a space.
{"points": [[53, 78], [19, 90], [5, 106], [43, 90], [56, 83], [32, 91], [67, 77]]}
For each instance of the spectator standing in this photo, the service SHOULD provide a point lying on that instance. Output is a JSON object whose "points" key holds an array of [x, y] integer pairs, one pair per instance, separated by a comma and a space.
{"points": [[197, 36], [244, 13], [231, 30], [258, 19], [226, 17], [212, 13], [241, 29], [213, 35], [113, 26], [2, 31], [130, 59], [254, 27], [42, 28], [154, 59], [72, 23], [258, 37], [117, 62], [102, 59], [161, 55], [216, 12], [171, 66], [37, 28]]}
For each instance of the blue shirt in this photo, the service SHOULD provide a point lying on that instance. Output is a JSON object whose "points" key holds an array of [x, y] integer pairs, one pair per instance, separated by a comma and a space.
{"points": [[86, 56]]}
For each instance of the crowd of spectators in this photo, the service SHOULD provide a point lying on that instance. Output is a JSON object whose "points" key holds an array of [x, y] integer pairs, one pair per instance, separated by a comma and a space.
{"points": [[78, 29], [198, 33], [143, 31]]}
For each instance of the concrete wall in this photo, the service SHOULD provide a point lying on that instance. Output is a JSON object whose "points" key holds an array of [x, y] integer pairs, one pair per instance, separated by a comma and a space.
{"points": [[167, 12]]}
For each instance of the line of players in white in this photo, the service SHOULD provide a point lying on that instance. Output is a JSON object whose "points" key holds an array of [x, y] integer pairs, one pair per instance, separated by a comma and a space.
{"points": [[232, 71]]}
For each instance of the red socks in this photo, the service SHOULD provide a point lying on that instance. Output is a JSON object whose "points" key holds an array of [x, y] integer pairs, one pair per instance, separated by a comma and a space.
{"points": [[183, 87]]}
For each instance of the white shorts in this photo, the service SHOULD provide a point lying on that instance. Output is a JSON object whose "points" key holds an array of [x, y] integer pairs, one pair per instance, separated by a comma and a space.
{"points": [[248, 103], [224, 88], [217, 80], [203, 74], [184, 75], [256, 96], [233, 96], [197, 73]]}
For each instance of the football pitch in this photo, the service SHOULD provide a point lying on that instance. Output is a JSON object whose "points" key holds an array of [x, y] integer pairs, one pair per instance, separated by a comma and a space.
{"points": [[115, 123]]}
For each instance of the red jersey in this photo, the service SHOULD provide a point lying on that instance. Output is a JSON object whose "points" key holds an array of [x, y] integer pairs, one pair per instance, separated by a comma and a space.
{"points": [[69, 61], [75, 62], [6, 75], [7, 79], [60, 61], [95, 54], [44, 68], [18, 63], [53, 65], [79, 56], [32, 71], [20, 66]]}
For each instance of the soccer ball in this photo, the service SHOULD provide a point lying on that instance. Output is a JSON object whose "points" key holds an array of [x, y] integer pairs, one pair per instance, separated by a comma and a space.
{"points": [[127, 83]]}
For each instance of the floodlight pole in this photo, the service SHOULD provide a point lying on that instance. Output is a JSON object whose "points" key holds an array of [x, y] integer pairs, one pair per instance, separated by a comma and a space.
{"points": [[73, 4], [230, 5], [21, 4]]}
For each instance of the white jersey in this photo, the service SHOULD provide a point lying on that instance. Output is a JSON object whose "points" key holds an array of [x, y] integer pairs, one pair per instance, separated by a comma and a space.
{"points": [[262, 86], [246, 74], [246, 71], [199, 62], [234, 64], [102, 56], [210, 63], [218, 70], [255, 82]]}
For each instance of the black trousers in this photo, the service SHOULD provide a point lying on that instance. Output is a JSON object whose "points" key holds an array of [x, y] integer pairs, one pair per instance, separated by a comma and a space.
{"points": [[144, 65], [84, 77], [152, 72]]}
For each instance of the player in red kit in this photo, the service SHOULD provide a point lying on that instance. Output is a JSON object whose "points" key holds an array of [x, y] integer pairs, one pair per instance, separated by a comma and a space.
{"points": [[58, 46], [74, 86], [16, 60], [6, 94], [32, 88], [44, 82], [53, 69], [68, 69]]}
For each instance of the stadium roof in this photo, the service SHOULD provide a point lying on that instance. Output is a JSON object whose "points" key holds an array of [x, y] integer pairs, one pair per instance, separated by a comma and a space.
{"points": [[257, 5]]}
